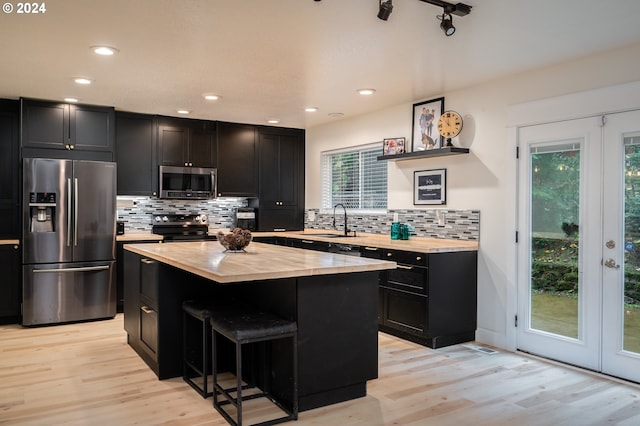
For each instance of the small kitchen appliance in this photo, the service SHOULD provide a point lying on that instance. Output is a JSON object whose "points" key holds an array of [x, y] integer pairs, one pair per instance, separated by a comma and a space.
{"points": [[246, 218]]}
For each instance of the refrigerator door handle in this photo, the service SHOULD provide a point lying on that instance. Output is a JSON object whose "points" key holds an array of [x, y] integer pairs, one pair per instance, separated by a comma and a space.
{"points": [[68, 212], [75, 212], [80, 269]]}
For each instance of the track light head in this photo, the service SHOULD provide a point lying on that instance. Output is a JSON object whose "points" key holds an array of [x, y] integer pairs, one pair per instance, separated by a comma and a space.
{"points": [[447, 24], [386, 7]]}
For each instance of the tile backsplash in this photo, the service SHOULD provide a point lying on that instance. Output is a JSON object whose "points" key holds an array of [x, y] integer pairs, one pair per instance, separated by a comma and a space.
{"points": [[434, 223], [138, 213]]}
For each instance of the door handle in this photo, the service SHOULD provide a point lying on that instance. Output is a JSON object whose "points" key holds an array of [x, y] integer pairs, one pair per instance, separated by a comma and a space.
{"points": [[69, 212], [146, 309], [610, 263], [75, 212]]}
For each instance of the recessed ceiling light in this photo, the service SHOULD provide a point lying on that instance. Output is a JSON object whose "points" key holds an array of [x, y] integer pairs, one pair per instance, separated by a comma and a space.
{"points": [[211, 97], [311, 109], [183, 111], [366, 91], [104, 50], [335, 114], [82, 80], [72, 100], [273, 121]]}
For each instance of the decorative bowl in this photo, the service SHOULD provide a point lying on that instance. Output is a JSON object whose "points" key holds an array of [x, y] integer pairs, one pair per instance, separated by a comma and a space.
{"points": [[236, 240]]}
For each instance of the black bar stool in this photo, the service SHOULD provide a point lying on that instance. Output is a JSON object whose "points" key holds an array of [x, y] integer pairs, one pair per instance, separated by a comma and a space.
{"points": [[243, 327], [196, 356]]}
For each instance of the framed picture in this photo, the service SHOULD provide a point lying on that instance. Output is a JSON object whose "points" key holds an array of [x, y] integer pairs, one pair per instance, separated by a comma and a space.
{"points": [[430, 187], [394, 146], [425, 120]]}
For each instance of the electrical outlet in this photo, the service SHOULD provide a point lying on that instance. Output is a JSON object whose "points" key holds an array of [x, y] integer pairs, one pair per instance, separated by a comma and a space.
{"points": [[395, 217], [311, 216]]}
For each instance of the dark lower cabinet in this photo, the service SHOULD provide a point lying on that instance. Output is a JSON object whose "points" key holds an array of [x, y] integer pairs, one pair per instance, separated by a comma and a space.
{"points": [[430, 299], [10, 285]]}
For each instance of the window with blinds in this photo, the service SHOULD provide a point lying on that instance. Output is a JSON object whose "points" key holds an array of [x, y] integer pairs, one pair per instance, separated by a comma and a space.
{"points": [[355, 178]]}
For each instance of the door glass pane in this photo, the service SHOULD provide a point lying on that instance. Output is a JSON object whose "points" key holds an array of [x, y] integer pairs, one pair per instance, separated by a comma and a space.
{"points": [[555, 238], [631, 339]]}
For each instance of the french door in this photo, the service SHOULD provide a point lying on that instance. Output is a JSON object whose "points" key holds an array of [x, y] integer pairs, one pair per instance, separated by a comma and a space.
{"points": [[579, 242]]}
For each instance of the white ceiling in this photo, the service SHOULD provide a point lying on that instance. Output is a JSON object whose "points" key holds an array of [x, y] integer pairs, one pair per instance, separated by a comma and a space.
{"points": [[270, 59]]}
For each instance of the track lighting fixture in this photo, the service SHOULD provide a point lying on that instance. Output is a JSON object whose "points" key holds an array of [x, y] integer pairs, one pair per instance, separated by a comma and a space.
{"points": [[386, 7], [447, 24]]}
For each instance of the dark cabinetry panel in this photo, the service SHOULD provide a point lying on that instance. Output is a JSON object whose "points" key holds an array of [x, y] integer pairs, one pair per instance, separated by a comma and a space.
{"points": [[237, 164], [281, 165], [10, 294], [430, 298], [187, 143], [49, 127], [136, 154], [9, 170]]}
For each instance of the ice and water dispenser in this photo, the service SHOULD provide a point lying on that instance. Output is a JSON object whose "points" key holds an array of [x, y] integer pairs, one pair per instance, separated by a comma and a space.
{"points": [[42, 206]]}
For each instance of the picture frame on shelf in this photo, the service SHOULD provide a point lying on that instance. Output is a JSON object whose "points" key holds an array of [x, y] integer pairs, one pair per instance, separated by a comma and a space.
{"points": [[424, 132], [430, 187], [393, 146]]}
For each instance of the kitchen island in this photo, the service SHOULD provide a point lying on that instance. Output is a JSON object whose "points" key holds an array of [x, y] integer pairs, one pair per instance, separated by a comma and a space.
{"points": [[333, 298]]}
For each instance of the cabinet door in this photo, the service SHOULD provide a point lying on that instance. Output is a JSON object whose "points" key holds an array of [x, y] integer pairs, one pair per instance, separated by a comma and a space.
{"points": [[203, 146], [173, 142], [129, 263], [406, 312], [9, 170], [92, 128], [10, 293], [45, 125], [136, 154], [237, 166]]}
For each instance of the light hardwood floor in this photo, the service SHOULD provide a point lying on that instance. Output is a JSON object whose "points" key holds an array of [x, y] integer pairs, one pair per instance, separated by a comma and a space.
{"points": [[86, 374]]}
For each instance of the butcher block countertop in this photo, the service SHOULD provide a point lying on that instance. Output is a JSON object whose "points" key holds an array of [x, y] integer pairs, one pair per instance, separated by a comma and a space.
{"points": [[417, 244], [208, 259]]}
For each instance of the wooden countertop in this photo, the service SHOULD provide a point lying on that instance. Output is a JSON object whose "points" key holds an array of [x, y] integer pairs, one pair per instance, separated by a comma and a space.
{"points": [[417, 244], [260, 261]]}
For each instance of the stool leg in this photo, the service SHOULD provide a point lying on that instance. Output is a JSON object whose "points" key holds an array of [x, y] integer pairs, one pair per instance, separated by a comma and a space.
{"points": [[214, 367], [205, 358], [239, 381], [295, 377]]}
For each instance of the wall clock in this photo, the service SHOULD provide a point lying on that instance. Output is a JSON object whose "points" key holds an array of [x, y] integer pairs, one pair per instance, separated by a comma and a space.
{"points": [[449, 125]]}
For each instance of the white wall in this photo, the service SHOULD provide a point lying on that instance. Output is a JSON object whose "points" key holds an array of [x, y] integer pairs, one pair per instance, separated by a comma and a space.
{"points": [[483, 180]]}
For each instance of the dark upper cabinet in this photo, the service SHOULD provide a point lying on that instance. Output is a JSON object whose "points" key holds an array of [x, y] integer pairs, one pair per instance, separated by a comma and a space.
{"points": [[136, 154], [237, 160], [187, 143], [9, 170], [48, 127], [281, 171]]}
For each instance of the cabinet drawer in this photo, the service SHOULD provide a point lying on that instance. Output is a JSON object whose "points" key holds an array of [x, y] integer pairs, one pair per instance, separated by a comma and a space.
{"points": [[414, 279], [407, 257], [405, 312], [371, 252], [149, 281], [149, 329]]}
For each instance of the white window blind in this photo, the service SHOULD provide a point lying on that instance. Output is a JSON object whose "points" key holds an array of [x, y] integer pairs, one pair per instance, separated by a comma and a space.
{"points": [[355, 178]]}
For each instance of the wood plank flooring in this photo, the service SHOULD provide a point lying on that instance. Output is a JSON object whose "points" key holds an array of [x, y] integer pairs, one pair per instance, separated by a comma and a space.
{"points": [[86, 374]]}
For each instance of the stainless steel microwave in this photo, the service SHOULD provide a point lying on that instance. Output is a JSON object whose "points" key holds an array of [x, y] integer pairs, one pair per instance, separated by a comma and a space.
{"points": [[196, 183]]}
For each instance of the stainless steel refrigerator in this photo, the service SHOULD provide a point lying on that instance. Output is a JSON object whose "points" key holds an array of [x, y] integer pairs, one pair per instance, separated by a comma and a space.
{"points": [[69, 227]]}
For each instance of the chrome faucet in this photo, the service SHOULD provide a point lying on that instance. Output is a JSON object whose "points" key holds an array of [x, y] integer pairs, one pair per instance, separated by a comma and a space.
{"points": [[346, 229]]}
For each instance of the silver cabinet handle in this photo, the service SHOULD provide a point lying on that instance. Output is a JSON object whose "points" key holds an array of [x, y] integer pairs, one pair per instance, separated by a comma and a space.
{"points": [[404, 267], [146, 309], [147, 261], [81, 269]]}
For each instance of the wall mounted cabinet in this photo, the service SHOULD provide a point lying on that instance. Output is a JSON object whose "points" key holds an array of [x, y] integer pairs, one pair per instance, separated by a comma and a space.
{"points": [[237, 160], [60, 130], [136, 150], [187, 143]]}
